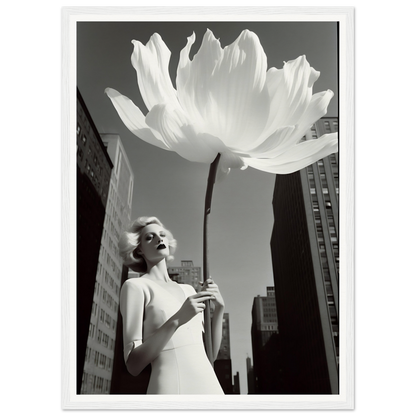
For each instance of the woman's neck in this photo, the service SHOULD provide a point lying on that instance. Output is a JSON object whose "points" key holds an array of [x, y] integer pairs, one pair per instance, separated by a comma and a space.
{"points": [[158, 272]]}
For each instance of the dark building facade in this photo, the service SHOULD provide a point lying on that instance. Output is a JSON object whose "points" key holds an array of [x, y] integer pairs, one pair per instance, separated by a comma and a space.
{"points": [[305, 255], [223, 365], [236, 384], [99, 355], [265, 340], [93, 178], [251, 389]]}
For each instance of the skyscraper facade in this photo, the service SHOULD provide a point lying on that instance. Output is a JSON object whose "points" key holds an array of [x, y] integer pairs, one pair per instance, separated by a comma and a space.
{"points": [[223, 364], [99, 355], [93, 179], [266, 345], [305, 255], [251, 389], [224, 352], [236, 384]]}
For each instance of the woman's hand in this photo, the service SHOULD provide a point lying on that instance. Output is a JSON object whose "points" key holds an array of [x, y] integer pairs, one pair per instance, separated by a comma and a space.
{"points": [[192, 306], [212, 288]]}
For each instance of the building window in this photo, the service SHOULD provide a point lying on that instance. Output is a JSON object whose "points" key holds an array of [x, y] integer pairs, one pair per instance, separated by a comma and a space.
{"points": [[107, 320], [327, 126], [118, 163], [102, 361], [91, 331]]}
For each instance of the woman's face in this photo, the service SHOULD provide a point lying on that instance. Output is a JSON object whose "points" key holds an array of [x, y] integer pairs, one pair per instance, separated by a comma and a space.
{"points": [[154, 244]]}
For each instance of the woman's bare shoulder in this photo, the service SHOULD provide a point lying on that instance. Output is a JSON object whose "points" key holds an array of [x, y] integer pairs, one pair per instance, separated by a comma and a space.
{"points": [[135, 283]]}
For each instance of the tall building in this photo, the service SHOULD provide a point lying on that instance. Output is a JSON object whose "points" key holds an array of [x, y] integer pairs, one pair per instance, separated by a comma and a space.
{"points": [[225, 348], [93, 180], [223, 364], [250, 377], [101, 342], [236, 384], [266, 345], [186, 273], [305, 256]]}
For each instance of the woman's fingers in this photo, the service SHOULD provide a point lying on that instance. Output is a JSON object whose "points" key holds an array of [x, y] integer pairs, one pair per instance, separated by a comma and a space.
{"points": [[201, 306], [200, 294], [203, 296], [197, 301], [203, 300], [209, 286]]}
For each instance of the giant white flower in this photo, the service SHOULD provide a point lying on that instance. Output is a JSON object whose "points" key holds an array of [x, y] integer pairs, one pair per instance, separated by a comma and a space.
{"points": [[227, 109], [227, 102]]}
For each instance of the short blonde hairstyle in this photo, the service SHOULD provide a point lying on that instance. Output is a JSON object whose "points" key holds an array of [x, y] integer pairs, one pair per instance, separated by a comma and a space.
{"points": [[129, 244]]}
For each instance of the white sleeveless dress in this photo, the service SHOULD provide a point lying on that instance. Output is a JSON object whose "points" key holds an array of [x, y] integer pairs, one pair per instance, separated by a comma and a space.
{"points": [[182, 367]]}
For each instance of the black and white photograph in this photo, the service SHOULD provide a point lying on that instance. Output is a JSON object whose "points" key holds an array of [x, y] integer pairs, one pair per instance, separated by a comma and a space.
{"points": [[209, 244]]}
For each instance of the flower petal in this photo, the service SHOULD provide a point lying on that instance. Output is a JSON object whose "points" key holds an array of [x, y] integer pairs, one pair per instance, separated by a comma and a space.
{"points": [[237, 89], [299, 156], [290, 91], [193, 79], [222, 90], [274, 145], [246, 52], [317, 108], [181, 136], [151, 63], [133, 118], [227, 162], [299, 79]]}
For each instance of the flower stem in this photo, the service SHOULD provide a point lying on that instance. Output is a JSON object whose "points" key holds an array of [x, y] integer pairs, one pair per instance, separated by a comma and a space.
{"points": [[208, 198]]}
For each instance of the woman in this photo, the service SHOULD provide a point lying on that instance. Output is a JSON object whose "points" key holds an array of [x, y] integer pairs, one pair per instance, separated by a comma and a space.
{"points": [[162, 320]]}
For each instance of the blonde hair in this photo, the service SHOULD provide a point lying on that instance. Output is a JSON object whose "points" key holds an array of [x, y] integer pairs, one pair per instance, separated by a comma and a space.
{"points": [[130, 241]]}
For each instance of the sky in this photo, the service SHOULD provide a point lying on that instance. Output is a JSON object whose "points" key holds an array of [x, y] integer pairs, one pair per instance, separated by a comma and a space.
{"points": [[172, 188]]}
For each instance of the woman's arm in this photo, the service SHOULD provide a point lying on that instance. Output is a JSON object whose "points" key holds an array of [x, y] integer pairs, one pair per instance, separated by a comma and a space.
{"points": [[143, 353], [216, 323]]}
